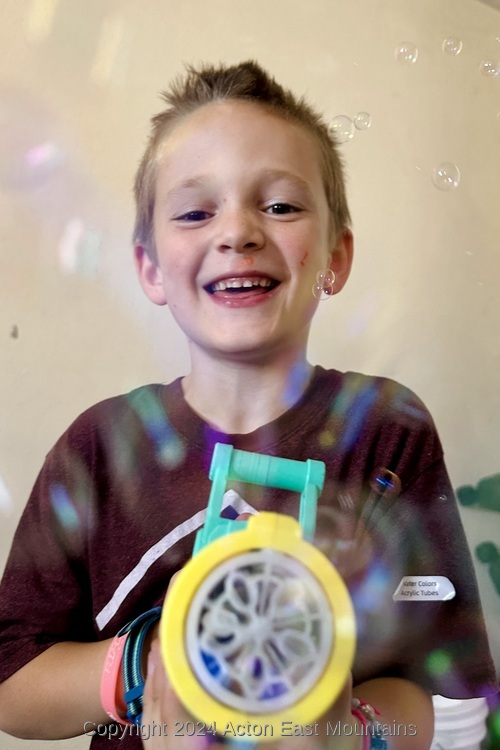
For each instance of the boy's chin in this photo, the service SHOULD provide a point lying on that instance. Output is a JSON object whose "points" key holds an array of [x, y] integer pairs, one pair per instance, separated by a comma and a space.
{"points": [[240, 350]]}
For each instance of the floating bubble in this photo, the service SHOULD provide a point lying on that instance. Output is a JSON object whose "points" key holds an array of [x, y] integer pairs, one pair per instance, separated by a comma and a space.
{"points": [[406, 53], [446, 176], [40, 19], [64, 508], [362, 121], [326, 439], [325, 277], [342, 128], [490, 68], [169, 446], [29, 151], [6, 504], [108, 48], [438, 662], [80, 249], [385, 483], [452, 45]]}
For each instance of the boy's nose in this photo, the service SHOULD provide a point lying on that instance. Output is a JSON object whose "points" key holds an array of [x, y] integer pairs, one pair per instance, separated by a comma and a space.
{"points": [[240, 232]]}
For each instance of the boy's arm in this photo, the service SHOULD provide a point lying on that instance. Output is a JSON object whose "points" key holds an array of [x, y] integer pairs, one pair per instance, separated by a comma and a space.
{"points": [[53, 695]]}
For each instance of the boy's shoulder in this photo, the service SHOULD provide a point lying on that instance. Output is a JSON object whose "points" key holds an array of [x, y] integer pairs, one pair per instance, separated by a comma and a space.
{"points": [[359, 392], [144, 403]]}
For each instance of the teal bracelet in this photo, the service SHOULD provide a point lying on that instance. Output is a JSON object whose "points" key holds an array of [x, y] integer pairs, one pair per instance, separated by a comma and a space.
{"points": [[133, 680]]}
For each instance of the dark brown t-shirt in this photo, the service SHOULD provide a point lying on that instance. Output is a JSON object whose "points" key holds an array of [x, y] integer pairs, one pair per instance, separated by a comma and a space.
{"points": [[113, 513]]}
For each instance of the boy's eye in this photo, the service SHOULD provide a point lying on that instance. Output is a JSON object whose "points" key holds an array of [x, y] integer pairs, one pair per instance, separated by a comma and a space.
{"points": [[282, 208], [193, 216]]}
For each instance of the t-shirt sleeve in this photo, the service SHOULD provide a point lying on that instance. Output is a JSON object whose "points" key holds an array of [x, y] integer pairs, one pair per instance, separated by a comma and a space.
{"points": [[45, 593]]}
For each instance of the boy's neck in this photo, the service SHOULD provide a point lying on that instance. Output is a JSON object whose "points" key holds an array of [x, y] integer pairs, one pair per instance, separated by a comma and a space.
{"points": [[239, 398]]}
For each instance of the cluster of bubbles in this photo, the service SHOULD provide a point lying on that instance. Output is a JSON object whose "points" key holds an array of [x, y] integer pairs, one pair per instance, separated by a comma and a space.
{"points": [[323, 288], [406, 53], [446, 175], [343, 127]]}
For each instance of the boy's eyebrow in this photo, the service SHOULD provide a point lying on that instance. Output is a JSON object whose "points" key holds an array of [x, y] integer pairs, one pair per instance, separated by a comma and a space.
{"points": [[267, 176], [273, 175], [192, 182]]}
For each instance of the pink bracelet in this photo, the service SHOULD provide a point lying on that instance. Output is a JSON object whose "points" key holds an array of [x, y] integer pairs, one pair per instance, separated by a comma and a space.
{"points": [[109, 679]]}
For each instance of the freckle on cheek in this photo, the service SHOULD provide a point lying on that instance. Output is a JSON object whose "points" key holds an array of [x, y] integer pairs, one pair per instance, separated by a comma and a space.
{"points": [[304, 258]]}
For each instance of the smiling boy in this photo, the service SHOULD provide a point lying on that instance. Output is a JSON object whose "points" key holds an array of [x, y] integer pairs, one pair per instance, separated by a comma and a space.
{"points": [[240, 205], [240, 200]]}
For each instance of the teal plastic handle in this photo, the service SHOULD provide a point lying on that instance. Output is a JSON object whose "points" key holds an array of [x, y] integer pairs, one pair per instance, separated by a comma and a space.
{"points": [[230, 464]]}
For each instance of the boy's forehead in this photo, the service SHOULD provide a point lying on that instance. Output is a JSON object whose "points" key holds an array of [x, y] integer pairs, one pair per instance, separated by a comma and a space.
{"points": [[235, 127], [252, 116]]}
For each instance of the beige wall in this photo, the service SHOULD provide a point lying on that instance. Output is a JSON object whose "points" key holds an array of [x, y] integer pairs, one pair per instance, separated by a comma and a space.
{"points": [[422, 306]]}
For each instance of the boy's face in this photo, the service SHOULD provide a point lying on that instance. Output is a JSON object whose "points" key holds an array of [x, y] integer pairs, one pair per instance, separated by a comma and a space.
{"points": [[241, 227]]}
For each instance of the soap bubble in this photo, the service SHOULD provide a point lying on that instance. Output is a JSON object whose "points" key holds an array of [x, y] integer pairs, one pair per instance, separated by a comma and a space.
{"points": [[323, 288], [406, 53], [30, 154], [385, 483], [438, 663], [6, 504], [452, 45], [362, 120], [490, 68], [446, 176], [80, 249], [342, 128], [325, 277]]}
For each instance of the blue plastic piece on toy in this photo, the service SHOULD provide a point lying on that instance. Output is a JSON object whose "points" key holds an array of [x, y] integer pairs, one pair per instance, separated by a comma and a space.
{"points": [[230, 464]]}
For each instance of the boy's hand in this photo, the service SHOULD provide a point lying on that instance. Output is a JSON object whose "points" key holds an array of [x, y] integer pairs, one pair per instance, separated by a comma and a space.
{"points": [[164, 718]]}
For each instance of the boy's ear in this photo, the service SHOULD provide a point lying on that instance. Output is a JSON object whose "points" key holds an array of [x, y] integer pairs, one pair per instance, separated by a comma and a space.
{"points": [[150, 275], [341, 259]]}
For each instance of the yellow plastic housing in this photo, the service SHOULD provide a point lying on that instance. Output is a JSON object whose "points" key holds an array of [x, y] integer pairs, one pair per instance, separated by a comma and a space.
{"points": [[263, 531]]}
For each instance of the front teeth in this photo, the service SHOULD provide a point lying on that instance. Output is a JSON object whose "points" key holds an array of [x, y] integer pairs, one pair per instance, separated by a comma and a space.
{"points": [[220, 286]]}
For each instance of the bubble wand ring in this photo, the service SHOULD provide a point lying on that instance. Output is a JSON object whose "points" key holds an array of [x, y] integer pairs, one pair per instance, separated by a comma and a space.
{"points": [[258, 628]]}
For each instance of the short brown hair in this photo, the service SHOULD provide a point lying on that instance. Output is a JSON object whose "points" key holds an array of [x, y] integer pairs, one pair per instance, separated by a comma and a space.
{"points": [[248, 81]]}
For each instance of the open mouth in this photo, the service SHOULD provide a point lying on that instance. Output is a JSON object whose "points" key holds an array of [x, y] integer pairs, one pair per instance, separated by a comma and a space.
{"points": [[248, 285]]}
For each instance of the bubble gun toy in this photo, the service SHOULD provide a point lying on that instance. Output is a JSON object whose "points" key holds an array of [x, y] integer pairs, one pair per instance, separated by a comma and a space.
{"points": [[258, 628]]}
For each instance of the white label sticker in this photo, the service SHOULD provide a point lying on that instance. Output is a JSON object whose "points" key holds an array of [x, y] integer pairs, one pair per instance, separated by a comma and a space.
{"points": [[424, 589]]}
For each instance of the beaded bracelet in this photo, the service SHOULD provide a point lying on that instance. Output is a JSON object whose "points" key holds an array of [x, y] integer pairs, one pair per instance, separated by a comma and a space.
{"points": [[372, 736]]}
